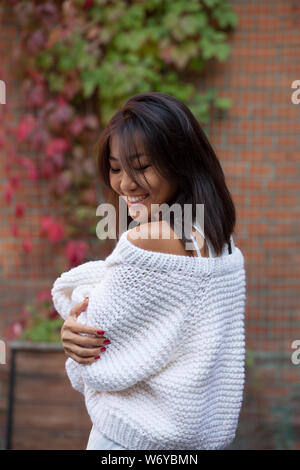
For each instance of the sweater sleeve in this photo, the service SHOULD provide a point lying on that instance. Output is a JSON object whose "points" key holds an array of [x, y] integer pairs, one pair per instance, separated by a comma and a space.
{"points": [[63, 292], [143, 314], [73, 372], [71, 288]]}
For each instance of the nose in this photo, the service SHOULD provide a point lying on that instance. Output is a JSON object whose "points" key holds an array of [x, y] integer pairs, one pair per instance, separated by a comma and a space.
{"points": [[127, 184]]}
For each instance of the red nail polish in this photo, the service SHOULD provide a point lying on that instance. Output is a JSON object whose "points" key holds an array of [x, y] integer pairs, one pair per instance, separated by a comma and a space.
{"points": [[103, 349], [100, 332], [106, 341], [97, 357]]}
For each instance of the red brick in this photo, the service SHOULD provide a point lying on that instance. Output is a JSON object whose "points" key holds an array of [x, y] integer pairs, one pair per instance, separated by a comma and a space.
{"points": [[261, 170]]}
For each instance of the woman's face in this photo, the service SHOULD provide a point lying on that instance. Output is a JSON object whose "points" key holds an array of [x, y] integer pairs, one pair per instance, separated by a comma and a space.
{"points": [[159, 190]]}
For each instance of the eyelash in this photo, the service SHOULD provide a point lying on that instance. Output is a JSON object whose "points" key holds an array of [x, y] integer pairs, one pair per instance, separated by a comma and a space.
{"points": [[137, 169]]}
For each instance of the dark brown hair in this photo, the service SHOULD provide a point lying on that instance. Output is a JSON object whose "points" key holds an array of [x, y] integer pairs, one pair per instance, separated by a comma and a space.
{"points": [[179, 149]]}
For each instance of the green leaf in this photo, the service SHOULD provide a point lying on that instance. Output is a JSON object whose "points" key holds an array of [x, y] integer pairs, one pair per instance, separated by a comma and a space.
{"points": [[44, 331], [225, 16], [211, 3], [223, 103], [192, 24], [197, 63], [66, 62], [56, 82], [45, 60], [222, 51]]}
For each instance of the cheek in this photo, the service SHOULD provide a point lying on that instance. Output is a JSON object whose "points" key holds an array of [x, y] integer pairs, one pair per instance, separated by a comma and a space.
{"points": [[161, 185], [155, 182]]}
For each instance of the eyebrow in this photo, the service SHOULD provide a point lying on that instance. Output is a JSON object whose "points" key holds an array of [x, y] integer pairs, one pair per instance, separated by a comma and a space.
{"points": [[130, 156]]}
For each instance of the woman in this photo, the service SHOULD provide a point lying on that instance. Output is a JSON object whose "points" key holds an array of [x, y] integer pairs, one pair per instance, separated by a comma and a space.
{"points": [[172, 376]]}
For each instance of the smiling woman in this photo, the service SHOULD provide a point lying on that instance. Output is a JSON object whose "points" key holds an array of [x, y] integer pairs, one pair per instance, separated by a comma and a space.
{"points": [[149, 295]]}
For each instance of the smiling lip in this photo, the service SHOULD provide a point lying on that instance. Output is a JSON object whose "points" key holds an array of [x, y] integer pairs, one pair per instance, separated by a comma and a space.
{"points": [[138, 202]]}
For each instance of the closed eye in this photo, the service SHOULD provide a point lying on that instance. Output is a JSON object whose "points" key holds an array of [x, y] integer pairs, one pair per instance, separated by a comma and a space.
{"points": [[136, 169]]}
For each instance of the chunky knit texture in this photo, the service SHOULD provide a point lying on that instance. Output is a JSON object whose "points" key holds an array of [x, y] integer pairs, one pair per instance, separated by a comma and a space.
{"points": [[173, 376]]}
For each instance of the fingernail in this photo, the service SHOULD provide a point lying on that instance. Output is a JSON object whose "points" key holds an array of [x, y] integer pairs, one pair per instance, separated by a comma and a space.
{"points": [[106, 341], [86, 299], [97, 357], [100, 332], [103, 349]]}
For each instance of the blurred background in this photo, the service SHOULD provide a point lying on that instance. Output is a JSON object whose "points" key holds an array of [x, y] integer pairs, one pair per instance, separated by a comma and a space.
{"points": [[65, 68]]}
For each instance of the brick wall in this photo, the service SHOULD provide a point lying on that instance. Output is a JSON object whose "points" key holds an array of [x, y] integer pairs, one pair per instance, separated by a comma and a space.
{"points": [[258, 145]]}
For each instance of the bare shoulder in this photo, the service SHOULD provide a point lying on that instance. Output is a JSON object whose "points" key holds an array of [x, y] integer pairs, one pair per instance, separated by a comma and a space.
{"points": [[156, 236]]}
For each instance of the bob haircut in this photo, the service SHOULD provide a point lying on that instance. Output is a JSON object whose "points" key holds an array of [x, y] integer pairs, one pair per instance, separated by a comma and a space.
{"points": [[171, 136]]}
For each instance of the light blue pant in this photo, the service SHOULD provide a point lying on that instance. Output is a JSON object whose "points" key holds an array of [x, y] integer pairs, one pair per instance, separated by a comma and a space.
{"points": [[99, 441]]}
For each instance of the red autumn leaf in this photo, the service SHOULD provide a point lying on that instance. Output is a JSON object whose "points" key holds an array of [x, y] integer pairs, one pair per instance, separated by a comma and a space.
{"points": [[33, 173], [77, 125], [53, 314], [27, 245], [31, 167], [7, 167], [26, 314], [47, 221], [57, 146], [14, 181], [39, 139], [15, 230], [36, 42], [47, 169], [63, 182], [75, 252], [61, 115], [88, 4], [58, 160], [19, 209], [25, 127], [44, 295], [56, 232], [36, 76], [8, 192], [36, 97], [53, 229], [61, 100], [13, 330], [2, 141]]}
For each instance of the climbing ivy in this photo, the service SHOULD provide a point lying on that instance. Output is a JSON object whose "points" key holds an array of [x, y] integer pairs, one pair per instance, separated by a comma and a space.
{"points": [[79, 61]]}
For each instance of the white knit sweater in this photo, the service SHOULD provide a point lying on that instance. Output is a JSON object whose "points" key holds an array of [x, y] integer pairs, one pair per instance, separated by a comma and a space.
{"points": [[173, 375]]}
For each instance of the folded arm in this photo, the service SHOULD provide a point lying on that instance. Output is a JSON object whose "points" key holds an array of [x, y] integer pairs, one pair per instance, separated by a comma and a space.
{"points": [[64, 299], [85, 274], [143, 314]]}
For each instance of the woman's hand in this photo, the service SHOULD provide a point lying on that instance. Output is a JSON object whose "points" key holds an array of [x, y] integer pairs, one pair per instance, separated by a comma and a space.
{"points": [[83, 349]]}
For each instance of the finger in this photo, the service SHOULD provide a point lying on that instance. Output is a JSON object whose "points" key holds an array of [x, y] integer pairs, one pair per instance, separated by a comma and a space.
{"points": [[81, 360], [78, 308], [83, 352], [85, 329], [85, 341]]}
